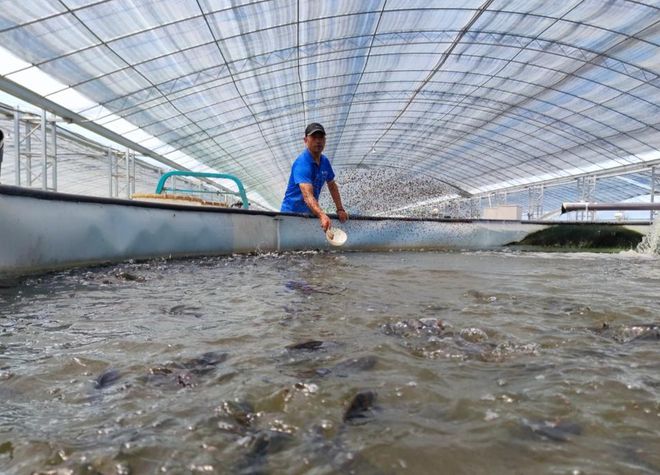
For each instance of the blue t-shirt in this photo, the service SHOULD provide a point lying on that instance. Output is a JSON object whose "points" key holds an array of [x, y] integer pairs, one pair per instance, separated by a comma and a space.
{"points": [[305, 170]]}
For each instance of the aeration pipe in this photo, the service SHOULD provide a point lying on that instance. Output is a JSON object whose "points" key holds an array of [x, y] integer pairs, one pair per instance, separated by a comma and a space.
{"points": [[567, 207]]}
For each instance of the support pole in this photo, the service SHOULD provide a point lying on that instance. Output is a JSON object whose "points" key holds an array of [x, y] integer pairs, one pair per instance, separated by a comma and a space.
{"points": [[53, 136], [133, 174], [28, 154], [535, 203], [44, 151], [115, 161], [128, 173], [627, 206], [654, 182], [17, 147], [2, 151], [110, 171]]}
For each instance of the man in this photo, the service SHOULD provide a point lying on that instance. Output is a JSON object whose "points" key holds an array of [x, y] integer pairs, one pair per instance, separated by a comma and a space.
{"points": [[308, 174]]}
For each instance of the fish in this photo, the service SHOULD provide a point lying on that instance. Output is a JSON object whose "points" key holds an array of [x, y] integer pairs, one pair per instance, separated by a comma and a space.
{"points": [[107, 378], [416, 327], [260, 445], [344, 368], [305, 288], [185, 373], [306, 345], [556, 431], [629, 333], [129, 277], [360, 406], [336, 452], [185, 310], [204, 363]]}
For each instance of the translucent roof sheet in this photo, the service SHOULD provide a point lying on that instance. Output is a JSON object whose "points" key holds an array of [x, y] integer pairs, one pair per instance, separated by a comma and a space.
{"points": [[482, 95]]}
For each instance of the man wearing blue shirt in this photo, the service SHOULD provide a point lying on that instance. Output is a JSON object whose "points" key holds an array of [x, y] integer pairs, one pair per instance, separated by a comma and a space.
{"points": [[308, 174]]}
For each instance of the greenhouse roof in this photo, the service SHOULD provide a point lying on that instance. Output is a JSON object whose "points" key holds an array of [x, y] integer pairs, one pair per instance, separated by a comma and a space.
{"points": [[481, 95]]}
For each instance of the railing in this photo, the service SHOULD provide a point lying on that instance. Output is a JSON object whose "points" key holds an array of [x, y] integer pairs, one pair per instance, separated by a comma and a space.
{"points": [[241, 190]]}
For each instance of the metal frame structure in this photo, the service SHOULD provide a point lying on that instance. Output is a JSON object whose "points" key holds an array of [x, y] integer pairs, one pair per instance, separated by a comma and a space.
{"points": [[74, 163], [486, 96]]}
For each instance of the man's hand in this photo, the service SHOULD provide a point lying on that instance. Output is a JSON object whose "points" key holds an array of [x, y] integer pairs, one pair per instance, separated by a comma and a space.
{"points": [[325, 221], [342, 215]]}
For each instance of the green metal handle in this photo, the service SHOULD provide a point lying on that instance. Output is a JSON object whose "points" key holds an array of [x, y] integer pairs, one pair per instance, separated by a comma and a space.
{"points": [[241, 189]]}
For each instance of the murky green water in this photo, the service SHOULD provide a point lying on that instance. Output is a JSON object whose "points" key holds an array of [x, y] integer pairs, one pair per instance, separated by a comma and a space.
{"points": [[490, 362]]}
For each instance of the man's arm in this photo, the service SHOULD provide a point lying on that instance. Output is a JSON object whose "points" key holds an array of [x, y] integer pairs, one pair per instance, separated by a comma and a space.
{"points": [[308, 195], [333, 188]]}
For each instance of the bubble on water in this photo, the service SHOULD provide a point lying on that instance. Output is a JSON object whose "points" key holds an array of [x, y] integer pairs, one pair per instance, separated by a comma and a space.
{"points": [[327, 424], [491, 415], [473, 335], [307, 388], [279, 425], [202, 468]]}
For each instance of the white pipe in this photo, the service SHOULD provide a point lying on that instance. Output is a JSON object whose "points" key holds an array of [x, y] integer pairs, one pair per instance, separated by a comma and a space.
{"points": [[567, 207]]}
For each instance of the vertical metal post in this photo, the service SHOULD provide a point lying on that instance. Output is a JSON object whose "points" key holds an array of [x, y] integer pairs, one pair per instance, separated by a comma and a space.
{"points": [[110, 171], [654, 181], [17, 147], [133, 173], [586, 187], [2, 151], [44, 151], [535, 203], [116, 174], [128, 174], [28, 153], [53, 135]]}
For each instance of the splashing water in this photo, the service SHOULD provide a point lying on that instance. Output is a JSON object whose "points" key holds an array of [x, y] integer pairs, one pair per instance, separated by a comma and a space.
{"points": [[651, 242]]}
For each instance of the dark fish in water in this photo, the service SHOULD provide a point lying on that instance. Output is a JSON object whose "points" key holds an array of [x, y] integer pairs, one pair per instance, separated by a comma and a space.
{"points": [[184, 310], [557, 431], [106, 379], [363, 363], [416, 327], [240, 412], [129, 277], [628, 333], [344, 368], [305, 288], [204, 363], [336, 453], [341, 369], [186, 379], [360, 406], [262, 444], [185, 374], [7, 448], [306, 345], [648, 332]]}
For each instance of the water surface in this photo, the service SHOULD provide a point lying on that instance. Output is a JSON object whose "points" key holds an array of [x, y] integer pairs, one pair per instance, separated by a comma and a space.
{"points": [[466, 362]]}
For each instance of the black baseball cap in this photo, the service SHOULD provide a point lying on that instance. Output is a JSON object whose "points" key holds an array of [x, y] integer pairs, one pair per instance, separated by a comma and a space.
{"points": [[313, 128]]}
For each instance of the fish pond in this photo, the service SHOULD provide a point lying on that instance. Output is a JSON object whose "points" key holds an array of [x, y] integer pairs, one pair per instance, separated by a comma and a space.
{"points": [[492, 362]]}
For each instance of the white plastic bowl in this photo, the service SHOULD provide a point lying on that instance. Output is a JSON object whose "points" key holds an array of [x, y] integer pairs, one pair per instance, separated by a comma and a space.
{"points": [[336, 236]]}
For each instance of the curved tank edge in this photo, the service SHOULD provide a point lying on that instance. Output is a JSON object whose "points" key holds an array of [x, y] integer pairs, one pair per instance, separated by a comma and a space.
{"points": [[44, 231]]}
